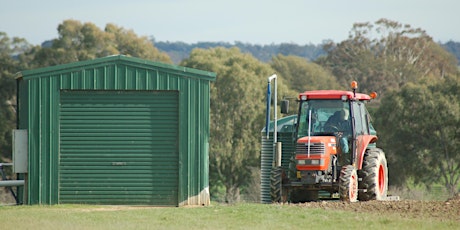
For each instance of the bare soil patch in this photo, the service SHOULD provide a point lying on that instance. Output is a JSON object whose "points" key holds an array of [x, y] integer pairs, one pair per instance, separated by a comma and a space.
{"points": [[444, 210]]}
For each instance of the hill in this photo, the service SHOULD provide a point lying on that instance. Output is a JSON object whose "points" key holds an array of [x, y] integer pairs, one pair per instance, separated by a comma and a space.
{"points": [[453, 48], [180, 50]]}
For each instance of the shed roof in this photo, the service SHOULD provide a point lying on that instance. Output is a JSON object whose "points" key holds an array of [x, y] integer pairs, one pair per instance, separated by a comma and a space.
{"points": [[141, 63]]}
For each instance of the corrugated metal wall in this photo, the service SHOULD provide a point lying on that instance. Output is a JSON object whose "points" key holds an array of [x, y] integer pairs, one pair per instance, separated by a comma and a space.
{"points": [[39, 112]]}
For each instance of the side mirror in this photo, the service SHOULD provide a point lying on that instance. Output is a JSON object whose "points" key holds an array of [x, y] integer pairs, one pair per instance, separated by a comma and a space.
{"points": [[284, 106]]}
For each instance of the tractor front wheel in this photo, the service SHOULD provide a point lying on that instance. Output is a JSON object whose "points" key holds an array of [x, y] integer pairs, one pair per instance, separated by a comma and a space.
{"points": [[348, 184]]}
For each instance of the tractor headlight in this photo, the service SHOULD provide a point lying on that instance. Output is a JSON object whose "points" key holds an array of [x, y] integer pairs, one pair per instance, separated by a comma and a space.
{"points": [[311, 162], [317, 162]]}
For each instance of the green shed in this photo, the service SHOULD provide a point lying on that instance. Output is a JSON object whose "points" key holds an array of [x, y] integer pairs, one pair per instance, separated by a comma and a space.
{"points": [[115, 130]]}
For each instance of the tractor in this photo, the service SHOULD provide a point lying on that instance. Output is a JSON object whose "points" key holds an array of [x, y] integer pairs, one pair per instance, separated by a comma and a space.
{"points": [[335, 151]]}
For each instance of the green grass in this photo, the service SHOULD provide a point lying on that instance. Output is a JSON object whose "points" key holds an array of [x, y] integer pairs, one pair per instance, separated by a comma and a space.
{"points": [[216, 216]]}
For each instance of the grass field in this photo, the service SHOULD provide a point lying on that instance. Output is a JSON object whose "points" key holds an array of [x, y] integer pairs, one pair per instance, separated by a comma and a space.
{"points": [[216, 216]]}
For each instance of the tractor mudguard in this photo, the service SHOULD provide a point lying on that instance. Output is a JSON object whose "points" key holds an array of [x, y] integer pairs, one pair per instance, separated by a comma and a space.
{"points": [[362, 143]]}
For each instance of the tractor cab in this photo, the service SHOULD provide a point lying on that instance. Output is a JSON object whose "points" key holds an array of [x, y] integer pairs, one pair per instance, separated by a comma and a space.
{"points": [[340, 114]]}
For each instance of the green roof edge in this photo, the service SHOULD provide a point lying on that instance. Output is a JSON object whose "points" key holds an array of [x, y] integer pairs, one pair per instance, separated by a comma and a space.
{"points": [[211, 76]]}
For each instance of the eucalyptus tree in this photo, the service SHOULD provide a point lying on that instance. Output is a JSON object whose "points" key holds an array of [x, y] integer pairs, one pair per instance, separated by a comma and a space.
{"points": [[301, 75], [386, 55], [82, 41], [13, 58]]}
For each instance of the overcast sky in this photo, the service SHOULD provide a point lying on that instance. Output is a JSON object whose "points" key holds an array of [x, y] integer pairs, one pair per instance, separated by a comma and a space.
{"points": [[256, 22]]}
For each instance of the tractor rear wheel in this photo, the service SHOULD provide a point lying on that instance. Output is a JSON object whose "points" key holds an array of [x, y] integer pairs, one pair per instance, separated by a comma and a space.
{"points": [[276, 186], [374, 176], [348, 184]]}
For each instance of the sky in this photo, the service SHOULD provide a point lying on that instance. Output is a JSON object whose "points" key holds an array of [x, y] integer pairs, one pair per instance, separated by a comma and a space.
{"points": [[261, 22]]}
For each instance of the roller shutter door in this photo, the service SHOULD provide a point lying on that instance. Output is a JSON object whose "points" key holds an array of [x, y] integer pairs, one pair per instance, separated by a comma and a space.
{"points": [[119, 147]]}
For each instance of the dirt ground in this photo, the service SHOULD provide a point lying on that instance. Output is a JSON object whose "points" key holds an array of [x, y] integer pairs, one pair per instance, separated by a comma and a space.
{"points": [[443, 210]]}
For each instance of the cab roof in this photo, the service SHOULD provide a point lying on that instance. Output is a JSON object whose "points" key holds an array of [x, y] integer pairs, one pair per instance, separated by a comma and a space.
{"points": [[333, 94]]}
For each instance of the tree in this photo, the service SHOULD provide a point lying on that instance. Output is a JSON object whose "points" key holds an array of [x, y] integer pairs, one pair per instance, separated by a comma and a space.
{"points": [[419, 128], [78, 42], [237, 114], [128, 43], [12, 60], [301, 75], [387, 55]]}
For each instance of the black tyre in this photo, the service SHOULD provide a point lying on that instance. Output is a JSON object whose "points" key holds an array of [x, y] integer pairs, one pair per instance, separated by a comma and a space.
{"points": [[348, 184], [276, 186], [374, 176]]}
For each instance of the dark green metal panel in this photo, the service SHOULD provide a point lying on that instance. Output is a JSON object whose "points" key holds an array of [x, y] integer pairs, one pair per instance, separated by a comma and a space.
{"points": [[195, 139], [39, 115], [119, 147]]}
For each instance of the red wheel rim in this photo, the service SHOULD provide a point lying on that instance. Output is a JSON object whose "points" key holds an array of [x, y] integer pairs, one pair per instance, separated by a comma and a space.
{"points": [[381, 179]]}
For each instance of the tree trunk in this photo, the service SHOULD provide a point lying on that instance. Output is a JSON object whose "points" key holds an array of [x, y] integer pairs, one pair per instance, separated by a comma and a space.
{"points": [[232, 194]]}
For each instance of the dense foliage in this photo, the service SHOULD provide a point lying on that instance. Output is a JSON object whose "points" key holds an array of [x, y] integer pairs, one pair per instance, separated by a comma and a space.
{"points": [[420, 131], [13, 58], [78, 42], [417, 115], [302, 75]]}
